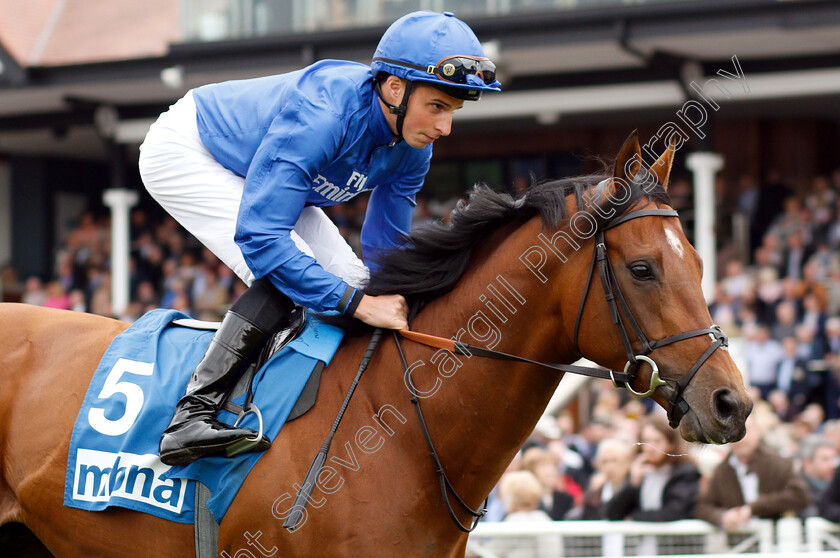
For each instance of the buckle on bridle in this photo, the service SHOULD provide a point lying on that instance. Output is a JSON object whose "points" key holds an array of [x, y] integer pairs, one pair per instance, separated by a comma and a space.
{"points": [[601, 250], [655, 380], [716, 334]]}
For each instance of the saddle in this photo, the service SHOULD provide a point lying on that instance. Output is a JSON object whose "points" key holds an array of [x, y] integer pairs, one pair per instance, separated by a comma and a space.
{"points": [[277, 341]]}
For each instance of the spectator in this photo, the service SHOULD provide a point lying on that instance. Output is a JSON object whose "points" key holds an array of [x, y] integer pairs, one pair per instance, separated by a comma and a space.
{"points": [[34, 293], [748, 193], [829, 504], [146, 294], [773, 255], [763, 355], [569, 463], [820, 202], [789, 222], [175, 288], [100, 301], [586, 443], [809, 346], [818, 460], [612, 467], [521, 492], [835, 180], [724, 311], [811, 285], [831, 430], [737, 280], [554, 500], [211, 301], [824, 261], [663, 483], [796, 254], [833, 232], [811, 419], [76, 300], [831, 385], [56, 296], [785, 324], [495, 505], [792, 292], [792, 379], [832, 335], [780, 404], [753, 481]]}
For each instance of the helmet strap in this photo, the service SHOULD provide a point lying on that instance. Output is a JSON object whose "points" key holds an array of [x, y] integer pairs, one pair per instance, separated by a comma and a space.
{"points": [[394, 109]]}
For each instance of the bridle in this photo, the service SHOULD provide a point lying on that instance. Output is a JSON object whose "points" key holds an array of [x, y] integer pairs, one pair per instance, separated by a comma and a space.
{"points": [[677, 405]]}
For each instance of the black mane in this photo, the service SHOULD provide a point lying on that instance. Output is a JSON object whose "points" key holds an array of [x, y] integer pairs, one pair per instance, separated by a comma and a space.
{"points": [[433, 257]]}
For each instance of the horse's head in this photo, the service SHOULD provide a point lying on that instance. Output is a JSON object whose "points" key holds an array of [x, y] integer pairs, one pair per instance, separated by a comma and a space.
{"points": [[644, 279]]}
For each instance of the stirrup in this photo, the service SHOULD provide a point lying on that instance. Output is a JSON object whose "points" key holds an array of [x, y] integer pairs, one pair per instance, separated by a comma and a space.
{"points": [[246, 444]]}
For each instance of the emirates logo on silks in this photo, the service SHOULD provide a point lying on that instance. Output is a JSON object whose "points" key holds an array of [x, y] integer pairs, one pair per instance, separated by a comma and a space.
{"points": [[448, 70]]}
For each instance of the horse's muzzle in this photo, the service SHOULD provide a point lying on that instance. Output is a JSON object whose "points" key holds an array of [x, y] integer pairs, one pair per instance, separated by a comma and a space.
{"points": [[725, 422]]}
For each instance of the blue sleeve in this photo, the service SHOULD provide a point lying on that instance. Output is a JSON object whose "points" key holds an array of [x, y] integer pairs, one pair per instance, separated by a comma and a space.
{"points": [[302, 139], [389, 214]]}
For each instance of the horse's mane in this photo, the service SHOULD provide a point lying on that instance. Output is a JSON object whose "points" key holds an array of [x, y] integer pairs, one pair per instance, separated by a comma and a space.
{"points": [[432, 259]]}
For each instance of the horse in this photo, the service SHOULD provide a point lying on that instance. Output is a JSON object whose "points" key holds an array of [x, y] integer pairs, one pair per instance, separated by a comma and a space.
{"points": [[509, 273]]}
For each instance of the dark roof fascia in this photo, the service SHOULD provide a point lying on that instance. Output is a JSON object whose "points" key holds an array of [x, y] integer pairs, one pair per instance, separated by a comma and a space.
{"points": [[357, 36], [12, 74], [795, 13], [662, 72]]}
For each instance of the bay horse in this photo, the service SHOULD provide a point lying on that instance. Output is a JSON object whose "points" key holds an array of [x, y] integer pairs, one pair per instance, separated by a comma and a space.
{"points": [[498, 276]]}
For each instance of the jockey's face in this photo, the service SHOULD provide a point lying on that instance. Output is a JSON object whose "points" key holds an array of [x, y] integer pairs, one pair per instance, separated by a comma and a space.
{"points": [[429, 113]]}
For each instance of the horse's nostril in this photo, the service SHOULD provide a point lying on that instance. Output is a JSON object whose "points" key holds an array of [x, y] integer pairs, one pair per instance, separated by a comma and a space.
{"points": [[725, 405]]}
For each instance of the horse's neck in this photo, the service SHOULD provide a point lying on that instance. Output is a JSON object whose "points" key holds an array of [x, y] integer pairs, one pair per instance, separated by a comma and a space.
{"points": [[481, 414]]}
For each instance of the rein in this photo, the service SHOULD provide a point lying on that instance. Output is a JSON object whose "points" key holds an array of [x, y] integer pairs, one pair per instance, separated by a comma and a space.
{"points": [[295, 513], [445, 485], [465, 349]]}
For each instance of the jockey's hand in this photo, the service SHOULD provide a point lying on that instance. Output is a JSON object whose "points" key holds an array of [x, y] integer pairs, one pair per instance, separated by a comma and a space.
{"points": [[388, 311]]}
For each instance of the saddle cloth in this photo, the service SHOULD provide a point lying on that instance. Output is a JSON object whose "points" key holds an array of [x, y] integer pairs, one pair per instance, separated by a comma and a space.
{"points": [[113, 458]]}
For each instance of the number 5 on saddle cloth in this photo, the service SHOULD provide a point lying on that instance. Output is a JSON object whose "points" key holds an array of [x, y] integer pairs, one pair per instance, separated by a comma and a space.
{"points": [[113, 458]]}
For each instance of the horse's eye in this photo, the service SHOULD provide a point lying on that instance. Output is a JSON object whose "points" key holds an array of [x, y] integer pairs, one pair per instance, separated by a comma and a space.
{"points": [[641, 271]]}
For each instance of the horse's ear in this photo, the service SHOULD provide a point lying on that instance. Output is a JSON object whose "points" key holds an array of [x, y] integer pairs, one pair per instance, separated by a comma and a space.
{"points": [[662, 167], [628, 162]]}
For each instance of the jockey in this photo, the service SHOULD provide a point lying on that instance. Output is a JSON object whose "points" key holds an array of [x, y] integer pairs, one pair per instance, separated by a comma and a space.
{"points": [[246, 165]]}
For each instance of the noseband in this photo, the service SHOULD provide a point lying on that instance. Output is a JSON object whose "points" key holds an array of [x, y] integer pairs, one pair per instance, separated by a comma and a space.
{"points": [[677, 405]]}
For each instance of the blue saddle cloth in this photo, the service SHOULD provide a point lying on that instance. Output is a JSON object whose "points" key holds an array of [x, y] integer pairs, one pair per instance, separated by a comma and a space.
{"points": [[113, 458]]}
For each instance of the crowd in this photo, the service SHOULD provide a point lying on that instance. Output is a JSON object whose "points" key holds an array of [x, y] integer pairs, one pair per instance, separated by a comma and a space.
{"points": [[168, 267], [782, 303], [781, 298]]}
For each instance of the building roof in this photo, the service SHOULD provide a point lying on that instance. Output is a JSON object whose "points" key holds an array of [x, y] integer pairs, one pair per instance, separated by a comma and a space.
{"points": [[60, 32], [22, 25]]}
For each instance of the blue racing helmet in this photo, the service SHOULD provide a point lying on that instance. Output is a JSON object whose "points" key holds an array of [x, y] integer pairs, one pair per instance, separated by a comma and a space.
{"points": [[438, 49]]}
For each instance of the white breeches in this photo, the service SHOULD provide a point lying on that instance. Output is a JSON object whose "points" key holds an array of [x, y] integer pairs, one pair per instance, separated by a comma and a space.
{"points": [[203, 196]]}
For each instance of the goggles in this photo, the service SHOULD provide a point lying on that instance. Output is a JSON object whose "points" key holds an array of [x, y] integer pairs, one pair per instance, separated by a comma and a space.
{"points": [[457, 68], [454, 69]]}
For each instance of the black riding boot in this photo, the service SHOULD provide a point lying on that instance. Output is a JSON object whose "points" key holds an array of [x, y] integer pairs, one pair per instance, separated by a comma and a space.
{"points": [[194, 431]]}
